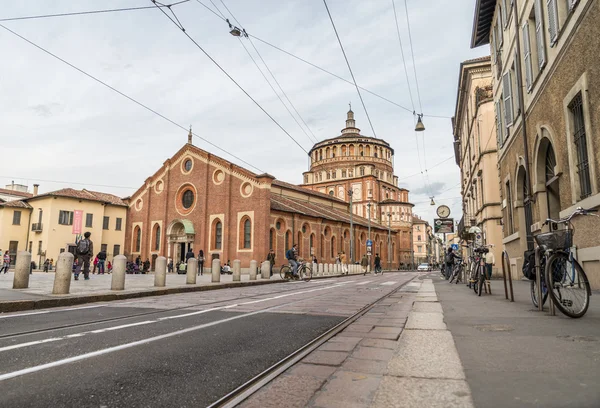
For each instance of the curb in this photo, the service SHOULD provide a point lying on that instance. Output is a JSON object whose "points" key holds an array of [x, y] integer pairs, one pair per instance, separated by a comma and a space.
{"points": [[23, 305]]}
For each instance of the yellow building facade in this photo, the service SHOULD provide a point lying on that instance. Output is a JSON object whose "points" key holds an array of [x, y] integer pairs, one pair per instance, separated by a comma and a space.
{"points": [[50, 223]]}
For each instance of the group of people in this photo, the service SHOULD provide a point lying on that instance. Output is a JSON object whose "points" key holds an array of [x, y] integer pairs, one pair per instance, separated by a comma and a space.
{"points": [[48, 264], [292, 256]]}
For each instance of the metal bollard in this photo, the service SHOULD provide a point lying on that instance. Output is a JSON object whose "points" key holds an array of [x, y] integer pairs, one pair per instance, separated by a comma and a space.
{"points": [[119, 272], [237, 270], [62, 276], [160, 272], [21, 277], [216, 270], [192, 271], [253, 267], [265, 270]]}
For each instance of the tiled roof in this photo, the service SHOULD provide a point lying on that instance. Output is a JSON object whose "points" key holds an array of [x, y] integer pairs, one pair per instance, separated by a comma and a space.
{"points": [[15, 204], [15, 193], [480, 59], [283, 184], [85, 195], [311, 209]]}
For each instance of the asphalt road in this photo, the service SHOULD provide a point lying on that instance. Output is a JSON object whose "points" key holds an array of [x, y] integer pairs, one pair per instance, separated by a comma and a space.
{"points": [[184, 350]]}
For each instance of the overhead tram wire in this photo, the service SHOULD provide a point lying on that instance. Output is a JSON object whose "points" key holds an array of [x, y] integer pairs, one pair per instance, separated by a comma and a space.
{"points": [[180, 27], [80, 13], [67, 182], [129, 97], [314, 138], [349, 68], [421, 172]]}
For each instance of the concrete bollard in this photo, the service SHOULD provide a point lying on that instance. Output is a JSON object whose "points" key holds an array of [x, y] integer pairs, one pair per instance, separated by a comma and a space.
{"points": [[237, 270], [22, 268], [62, 276], [192, 271], [321, 269], [265, 270], [216, 270], [253, 267], [160, 272], [119, 272], [315, 269], [331, 270], [336, 269]]}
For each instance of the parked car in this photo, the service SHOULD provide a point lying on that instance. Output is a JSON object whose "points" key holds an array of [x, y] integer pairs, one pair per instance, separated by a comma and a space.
{"points": [[423, 267]]}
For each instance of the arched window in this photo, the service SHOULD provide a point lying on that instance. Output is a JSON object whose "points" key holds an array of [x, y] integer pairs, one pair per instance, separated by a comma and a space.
{"points": [[351, 150], [323, 246], [299, 242], [344, 150], [247, 234], [312, 242], [156, 237], [272, 239], [552, 191], [217, 234], [137, 233], [327, 153], [333, 249], [368, 150], [288, 240], [362, 171]]}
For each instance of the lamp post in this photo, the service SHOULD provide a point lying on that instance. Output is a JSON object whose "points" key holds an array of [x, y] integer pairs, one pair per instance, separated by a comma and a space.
{"points": [[369, 212], [389, 239], [351, 229]]}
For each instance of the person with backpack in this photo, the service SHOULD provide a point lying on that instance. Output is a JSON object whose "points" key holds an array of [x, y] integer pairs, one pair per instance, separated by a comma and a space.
{"points": [[449, 261], [377, 263], [84, 252], [101, 260], [290, 255]]}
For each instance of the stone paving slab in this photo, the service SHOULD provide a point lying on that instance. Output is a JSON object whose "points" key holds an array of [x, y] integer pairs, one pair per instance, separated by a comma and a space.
{"points": [[418, 393], [332, 358], [428, 307], [372, 353], [426, 321], [347, 389], [293, 391]]}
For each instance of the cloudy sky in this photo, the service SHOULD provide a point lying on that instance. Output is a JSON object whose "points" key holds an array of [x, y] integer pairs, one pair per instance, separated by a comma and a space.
{"points": [[60, 127]]}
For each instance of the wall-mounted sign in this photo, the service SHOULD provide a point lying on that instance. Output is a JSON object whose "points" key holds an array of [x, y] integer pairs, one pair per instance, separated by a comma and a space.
{"points": [[443, 225]]}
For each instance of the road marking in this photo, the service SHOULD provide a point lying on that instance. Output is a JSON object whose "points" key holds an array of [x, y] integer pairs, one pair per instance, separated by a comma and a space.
{"points": [[81, 357], [388, 283], [364, 283], [51, 311]]}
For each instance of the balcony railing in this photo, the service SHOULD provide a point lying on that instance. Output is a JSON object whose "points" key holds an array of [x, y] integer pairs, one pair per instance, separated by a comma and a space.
{"points": [[37, 227]]}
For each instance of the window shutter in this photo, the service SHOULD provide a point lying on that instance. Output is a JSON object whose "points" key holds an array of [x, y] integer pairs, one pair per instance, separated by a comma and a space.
{"points": [[494, 46], [499, 28], [539, 34], [507, 92], [504, 13], [527, 52], [552, 21], [517, 93], [499, 126]]}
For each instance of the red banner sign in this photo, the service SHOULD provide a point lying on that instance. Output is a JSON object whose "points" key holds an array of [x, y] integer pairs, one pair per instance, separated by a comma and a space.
{"points": [[77, 221]]}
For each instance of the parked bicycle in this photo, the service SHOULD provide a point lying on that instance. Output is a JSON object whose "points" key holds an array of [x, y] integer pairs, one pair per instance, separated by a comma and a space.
{"points": [[457, 271], [304, 272], [564, 278]]}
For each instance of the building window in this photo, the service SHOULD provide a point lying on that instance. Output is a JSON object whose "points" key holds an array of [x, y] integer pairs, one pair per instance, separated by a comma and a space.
{"points": [[328, 175], [362, 171], [89, 219], [509, 209], [312, 243], [499, 123], [553, 20], [305, 179], [218, 243], [343, 173], [118, 224], [137, 233], [116, 250], [105, 223], [17, 218], [331, 193], [188, 165], [333, 174], [278, 225], [272, 239], [65, 217], [247, 233], [507, 95], [539, 33], [418, 237], [156, 237], [419, 248], [103, 247], [350, 173], [187, 199], [288, 239], [579, 137]]}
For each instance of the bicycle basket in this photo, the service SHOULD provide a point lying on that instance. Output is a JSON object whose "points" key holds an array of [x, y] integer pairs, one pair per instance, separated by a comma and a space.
{"points": [[561, 239]]}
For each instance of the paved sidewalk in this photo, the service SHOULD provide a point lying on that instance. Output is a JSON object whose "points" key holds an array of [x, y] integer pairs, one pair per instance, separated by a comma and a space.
{"points": [[399, 354], [516, 356]]}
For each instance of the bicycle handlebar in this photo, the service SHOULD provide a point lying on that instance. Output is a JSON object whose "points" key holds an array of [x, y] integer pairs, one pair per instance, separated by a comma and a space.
{"points": [[578, 211]]}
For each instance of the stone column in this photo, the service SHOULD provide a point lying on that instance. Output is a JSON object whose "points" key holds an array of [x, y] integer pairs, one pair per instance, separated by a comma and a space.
{"points": [[265, 270], [237, 270], [253, 267], [192, 271], [160, 272], [22, 267], [216, 270], [62, 276], [119, 272]]}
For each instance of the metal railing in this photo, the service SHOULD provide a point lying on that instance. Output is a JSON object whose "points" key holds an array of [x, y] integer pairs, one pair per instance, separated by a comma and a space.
{"points": [[37, 227]]}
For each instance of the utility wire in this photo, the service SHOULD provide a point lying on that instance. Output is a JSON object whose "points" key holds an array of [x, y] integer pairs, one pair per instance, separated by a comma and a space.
{"points": [[128, 97], [402, 53], [314, 138], [67, 182], [421, 172], [79, 13], [231, 78], [349, 68], [413, 56]]}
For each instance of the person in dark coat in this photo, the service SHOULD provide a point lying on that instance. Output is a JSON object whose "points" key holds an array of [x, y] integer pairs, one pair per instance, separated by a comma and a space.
{"points": [[200, 262]]}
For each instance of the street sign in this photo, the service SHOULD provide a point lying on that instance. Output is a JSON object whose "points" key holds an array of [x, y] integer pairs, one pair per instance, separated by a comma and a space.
{"points": [[369, 243], [443, 225], [454, 247], [369, 250]]}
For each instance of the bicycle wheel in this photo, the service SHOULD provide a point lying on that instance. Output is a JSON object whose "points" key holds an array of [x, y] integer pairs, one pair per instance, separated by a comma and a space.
{"points": [[452, 275], [567, 284], [481, 282], [285, 272], [533, 287], [475, 280], [306, 273]]}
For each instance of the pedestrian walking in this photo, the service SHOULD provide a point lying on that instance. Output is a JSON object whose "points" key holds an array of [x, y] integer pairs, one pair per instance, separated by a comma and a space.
{"points": [[138, 261], [343, 262], [46, 265], [84, 251], [271, 259], [200, 262], [364, 262], [101, 260], [170, 266], [6, 264], [108, 267], [146, 266], [51, 264], [95, 265], [490, 260]]}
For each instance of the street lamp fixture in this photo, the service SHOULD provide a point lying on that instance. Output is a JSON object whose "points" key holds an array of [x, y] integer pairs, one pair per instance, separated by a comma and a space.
{"points": [[233, 30], [420, 126], [432, 202]]}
